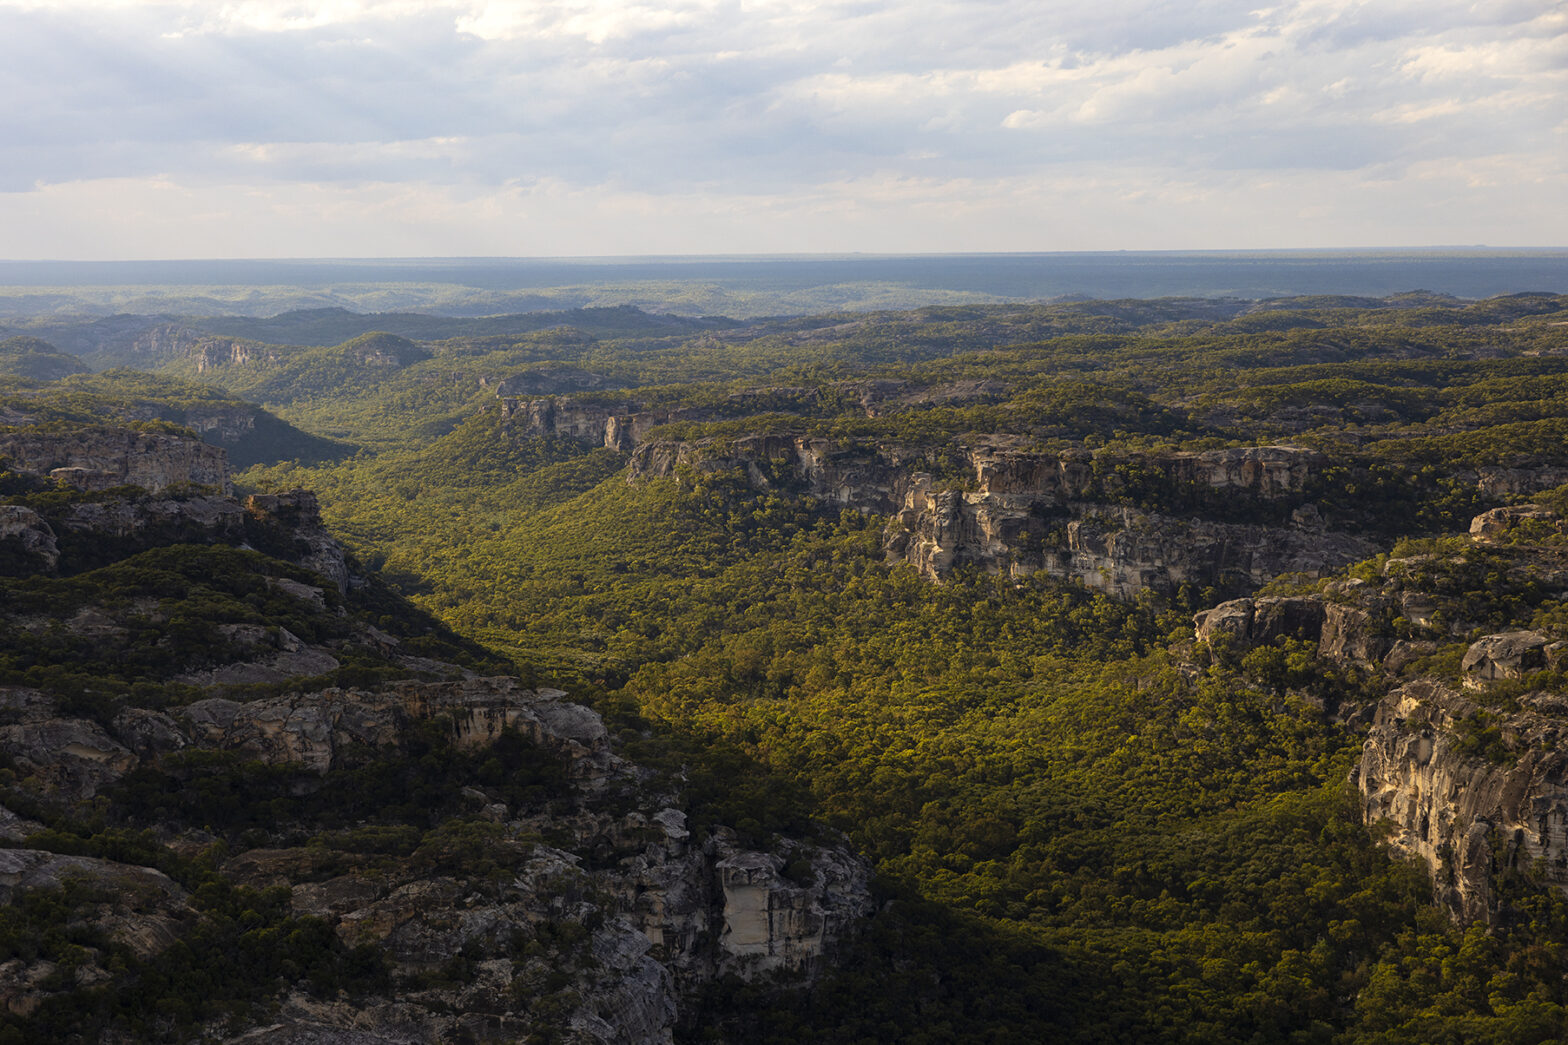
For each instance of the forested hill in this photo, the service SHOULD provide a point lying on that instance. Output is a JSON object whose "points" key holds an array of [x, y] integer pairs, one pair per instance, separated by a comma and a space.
{"points": [[1187, 670]]}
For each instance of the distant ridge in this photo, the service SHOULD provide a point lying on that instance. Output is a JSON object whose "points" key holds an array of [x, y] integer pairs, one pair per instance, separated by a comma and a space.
{"points": [[750, 286]]}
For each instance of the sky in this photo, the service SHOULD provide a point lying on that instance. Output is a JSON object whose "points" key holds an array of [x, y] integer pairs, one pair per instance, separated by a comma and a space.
{"points": [[476, 128]]}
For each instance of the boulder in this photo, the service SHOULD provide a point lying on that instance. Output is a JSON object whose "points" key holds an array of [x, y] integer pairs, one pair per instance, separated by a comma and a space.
{"points": [[1508, 655], [1497, 523]]}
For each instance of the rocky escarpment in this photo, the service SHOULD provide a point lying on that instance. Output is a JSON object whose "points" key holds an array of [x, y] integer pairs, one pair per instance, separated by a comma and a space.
{"points": [[1470, 791], [1465, 760], [163, 342], [618, 425], [531, 404], [210, 687], [1014, 510], [77, 535], [102, 458], [606, 880]]}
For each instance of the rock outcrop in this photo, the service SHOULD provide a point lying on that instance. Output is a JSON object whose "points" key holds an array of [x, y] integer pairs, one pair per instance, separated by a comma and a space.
{"points": [[1509, 655], [102, 458], [1468, 791], [618, 425], [1471, 780], [1255, 622], [29, 540], [297, 514], [635, 907], [1499, 523], [1019, 511]]}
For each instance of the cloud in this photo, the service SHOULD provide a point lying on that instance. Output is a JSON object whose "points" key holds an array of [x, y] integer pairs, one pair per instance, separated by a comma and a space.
{"points": [[777, 101]]}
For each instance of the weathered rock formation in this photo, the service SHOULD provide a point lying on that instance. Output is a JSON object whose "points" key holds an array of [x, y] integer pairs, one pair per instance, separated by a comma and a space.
{"points": [[29, 540], [298, 515], [619, 425], [1500, 522], [1508, 655], [101, 458], [625, 896], [1019, 511], [1256, 622], [1468, 791]]}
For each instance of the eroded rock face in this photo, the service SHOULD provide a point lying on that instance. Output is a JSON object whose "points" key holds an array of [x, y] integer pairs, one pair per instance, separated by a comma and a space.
{"points": [[1351, 633], [314, 728], [1020, 511], [1464, 802], [1253, 622], [299, 514], [1508, 655], [191, 518], [1499, 522], [771, 923], [98, 459], [618, 425], [1519, 482], [70, 758], [638, 911], [1125, 552], [25, 533]]}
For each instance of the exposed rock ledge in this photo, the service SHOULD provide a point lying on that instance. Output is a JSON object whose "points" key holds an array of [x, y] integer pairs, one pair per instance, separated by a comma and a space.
{"points": [[1466, 801], [1019, 511], [98, 459], [658, 909]]}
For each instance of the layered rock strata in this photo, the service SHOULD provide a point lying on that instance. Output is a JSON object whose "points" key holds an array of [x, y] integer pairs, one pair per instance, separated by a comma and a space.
{"points": [[656, 910], [1470, 792], [1019, 511], [99, 459]]}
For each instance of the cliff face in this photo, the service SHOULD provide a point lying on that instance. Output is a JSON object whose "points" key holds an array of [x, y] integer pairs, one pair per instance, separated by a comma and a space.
{"points": [[1467, 804], [654, 911], [619, 426], [99, 459], [169, 470], [1019, 511], [168, 341], [1468, 775]]}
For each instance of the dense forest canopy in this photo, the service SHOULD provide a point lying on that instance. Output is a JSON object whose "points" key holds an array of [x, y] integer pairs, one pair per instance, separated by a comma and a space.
{"points": [[1086, 824]]}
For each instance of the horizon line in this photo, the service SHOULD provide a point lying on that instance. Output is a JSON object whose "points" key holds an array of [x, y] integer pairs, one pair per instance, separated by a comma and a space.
{"points": [[1466, 248]]}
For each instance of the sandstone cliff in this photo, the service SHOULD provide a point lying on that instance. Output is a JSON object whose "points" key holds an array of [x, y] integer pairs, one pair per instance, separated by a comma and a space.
{"points": [[98, 459], [639, 906], [1468, 774], [1010, 509], [1470, 791]]}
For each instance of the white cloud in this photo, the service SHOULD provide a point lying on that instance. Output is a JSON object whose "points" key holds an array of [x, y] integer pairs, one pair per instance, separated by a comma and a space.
{"points": [[787, 105]]}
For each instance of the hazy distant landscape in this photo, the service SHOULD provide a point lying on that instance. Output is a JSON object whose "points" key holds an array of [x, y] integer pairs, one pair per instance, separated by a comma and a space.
{"points": [[746, 286]]}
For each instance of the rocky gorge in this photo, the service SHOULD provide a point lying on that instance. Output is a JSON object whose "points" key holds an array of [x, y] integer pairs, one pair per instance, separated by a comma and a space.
{"points": [[994, 503], [1463, 760], [541, 883]]}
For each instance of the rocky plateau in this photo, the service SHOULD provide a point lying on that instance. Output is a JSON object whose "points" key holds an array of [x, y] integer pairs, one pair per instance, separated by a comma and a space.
{"points": [[587, 906]]}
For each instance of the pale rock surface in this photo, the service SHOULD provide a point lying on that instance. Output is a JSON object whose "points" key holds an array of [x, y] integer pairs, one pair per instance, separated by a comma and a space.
{"points": [[1497, 523], [1020, 510], [97, 459], [1508, 655], [1464, 814], [26, 530], [70, 758]]}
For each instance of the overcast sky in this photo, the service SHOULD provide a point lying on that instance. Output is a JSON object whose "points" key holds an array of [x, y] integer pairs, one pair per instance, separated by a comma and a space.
{"points": [[340, 128]]}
